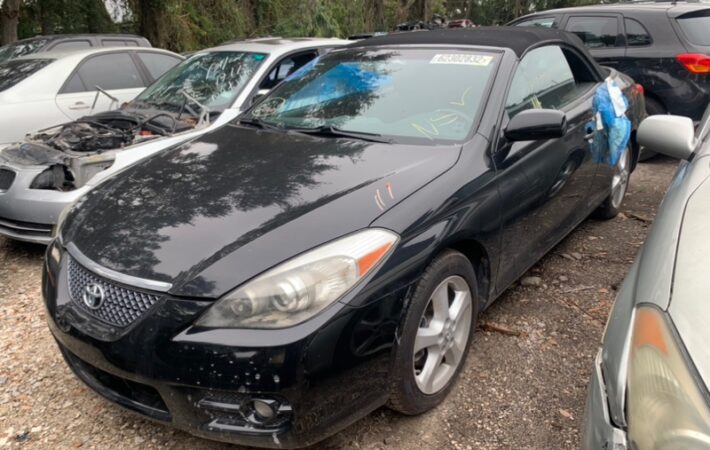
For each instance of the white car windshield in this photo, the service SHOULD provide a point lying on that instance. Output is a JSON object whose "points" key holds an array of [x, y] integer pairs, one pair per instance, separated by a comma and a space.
{"points": [[379, 92], [214, 79], [21, 48], [14, 71]]}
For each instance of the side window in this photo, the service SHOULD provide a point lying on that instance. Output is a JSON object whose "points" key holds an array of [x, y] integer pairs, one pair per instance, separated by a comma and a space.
{"points": [[157, 64], [111, 71], [595, 32], [113, 43], [118, 43], [547, 77], [71, 45], [636, 34], [286, 67], [542, 22]]}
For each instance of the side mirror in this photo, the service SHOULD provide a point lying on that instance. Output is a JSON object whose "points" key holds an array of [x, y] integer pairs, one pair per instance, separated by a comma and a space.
{"points": [[259, 95], [536, 124], [673, 136]]}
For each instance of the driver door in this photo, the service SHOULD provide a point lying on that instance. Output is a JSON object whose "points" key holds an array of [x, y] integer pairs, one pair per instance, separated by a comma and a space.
{"points": [[544, 185]]}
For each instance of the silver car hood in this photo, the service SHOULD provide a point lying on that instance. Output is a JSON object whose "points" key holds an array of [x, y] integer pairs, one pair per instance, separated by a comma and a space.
{"points": [[690, 301]]}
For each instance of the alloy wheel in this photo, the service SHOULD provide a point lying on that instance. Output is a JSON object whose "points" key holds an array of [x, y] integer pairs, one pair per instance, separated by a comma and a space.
{"points": [[620, 181], [442, 335]]}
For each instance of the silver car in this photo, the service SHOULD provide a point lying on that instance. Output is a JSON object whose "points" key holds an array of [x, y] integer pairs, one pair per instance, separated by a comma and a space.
{"points": [[56, 166], [649, 387]]}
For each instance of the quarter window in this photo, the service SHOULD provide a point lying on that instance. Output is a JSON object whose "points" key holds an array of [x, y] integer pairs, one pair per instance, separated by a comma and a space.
{"points": [[111, 71], [157, 64], [545, 79], [595, 32], [636, 34]]}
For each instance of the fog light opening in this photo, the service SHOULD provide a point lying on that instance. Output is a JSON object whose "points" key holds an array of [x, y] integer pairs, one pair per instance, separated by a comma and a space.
{"points": [[263, 410]]}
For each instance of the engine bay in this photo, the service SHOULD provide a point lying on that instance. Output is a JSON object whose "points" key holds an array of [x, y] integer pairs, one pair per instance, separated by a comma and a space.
{"points": [[78, 150]]}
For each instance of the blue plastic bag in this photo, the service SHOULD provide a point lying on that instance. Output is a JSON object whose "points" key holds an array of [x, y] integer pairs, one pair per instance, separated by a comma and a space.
{"points": [[614, 121]]}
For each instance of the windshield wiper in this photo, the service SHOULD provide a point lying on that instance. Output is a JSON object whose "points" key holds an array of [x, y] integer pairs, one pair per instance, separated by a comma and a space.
{"points": [[258, 123], [329, 130]]}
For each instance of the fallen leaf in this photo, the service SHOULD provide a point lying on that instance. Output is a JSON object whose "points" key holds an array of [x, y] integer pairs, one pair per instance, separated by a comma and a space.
{"points": [[566, 414]]}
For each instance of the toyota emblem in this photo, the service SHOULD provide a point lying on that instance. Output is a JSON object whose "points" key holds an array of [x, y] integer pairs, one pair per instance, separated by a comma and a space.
{"points": [[93, 296]]}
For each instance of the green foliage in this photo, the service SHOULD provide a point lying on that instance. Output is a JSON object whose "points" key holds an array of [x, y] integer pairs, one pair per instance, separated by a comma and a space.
{"points": [[185, 25], [64, 16]]}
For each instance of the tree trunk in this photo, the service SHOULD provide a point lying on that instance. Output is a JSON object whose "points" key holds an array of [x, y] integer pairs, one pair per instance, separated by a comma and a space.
{"points": [[9, 18]]}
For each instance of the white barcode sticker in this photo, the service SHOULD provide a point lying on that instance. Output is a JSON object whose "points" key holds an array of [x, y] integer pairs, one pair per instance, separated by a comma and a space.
{"points": [[461, 58]]}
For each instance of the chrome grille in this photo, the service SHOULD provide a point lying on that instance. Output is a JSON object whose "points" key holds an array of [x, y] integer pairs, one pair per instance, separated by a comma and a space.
{"points": [[6, 179], [120, 307]]}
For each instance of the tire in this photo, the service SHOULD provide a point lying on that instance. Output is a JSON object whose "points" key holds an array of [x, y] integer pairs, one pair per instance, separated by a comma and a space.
{"points": [[652, 108], [611, 205], [411, 391]]}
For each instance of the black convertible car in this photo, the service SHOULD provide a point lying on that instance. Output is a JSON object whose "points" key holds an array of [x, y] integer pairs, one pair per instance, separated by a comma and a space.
{"points": [[328, 253]]}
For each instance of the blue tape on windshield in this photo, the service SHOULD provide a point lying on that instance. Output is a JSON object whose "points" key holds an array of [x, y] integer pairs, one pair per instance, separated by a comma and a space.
{"points": [[610, 105], [340, 81]]}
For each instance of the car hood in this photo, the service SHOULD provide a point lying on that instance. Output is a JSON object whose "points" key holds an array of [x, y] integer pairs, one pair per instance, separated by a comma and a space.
{"points": [[209, 215], [690, 303]]}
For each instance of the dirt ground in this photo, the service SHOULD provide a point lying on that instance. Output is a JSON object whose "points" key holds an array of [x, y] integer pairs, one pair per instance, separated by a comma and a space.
{"points": [[523, 386]]}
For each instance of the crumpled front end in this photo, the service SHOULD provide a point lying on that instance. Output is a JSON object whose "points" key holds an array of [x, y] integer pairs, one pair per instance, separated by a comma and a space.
{"points": [[54, 167]]}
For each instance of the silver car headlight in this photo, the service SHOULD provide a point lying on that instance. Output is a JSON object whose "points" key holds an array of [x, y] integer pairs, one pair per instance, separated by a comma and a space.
{"points": [[666, 409], [300, 288]]}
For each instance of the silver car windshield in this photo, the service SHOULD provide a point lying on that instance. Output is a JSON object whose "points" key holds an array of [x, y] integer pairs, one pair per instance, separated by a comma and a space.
{"points": [[214, 79], [14, 71], [425, 94]]}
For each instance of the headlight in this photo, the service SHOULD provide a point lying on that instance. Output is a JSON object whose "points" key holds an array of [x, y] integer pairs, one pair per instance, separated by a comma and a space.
{"points": [[300, 288], [666, 409]]}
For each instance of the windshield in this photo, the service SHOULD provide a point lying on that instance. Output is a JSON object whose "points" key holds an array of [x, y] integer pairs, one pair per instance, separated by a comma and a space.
{"points": [[14, 71], [431, 94], [213, 79], [695, 26], [21, 48]]}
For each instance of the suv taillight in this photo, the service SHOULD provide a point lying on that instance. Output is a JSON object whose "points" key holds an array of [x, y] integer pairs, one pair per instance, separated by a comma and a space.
{"points": [[695, 62]]}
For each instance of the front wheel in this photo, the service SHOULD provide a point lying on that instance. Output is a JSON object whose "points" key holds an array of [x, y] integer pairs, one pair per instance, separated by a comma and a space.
{"points": [[610, 207], [436, 334]]}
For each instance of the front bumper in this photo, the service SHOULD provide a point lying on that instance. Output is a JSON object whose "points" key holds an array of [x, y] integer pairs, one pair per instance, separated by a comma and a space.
{"points": [[599, 433], [30, 214], [155, 366]]}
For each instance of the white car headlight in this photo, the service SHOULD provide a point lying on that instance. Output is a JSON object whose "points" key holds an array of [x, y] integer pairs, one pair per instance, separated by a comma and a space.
{"points": [[666, 409], [300, 288]]}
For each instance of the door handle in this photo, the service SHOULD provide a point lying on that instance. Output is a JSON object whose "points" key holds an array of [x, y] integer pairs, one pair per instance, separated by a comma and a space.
{"points": [[590, 134], [79, 105]]}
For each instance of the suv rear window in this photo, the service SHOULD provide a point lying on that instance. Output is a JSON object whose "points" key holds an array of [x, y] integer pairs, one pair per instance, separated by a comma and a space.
{"points": [[695, 26], [14, 71]]}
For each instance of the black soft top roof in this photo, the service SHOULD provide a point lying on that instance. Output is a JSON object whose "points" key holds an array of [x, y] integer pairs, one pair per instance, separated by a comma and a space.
{"points": [[518, 39]]}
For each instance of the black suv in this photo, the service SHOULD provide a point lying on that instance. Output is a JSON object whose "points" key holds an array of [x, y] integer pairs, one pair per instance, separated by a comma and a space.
{"points": [[67, 42], [665, 47]]}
